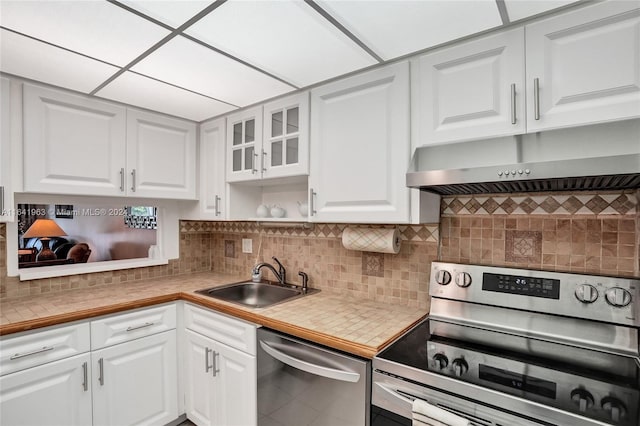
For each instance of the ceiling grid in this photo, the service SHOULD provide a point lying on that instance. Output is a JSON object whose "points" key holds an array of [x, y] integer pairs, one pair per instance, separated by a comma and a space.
{"points": [[200, 58]]}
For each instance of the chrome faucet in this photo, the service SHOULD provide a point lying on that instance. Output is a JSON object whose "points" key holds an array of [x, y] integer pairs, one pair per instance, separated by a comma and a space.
{"points": [[281, 273]]}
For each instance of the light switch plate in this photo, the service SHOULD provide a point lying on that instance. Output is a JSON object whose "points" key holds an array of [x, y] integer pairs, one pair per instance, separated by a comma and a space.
{"points": [[247, 245]]}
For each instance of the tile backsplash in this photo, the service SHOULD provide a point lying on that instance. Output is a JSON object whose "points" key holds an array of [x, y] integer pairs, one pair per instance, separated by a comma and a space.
{"points": [[595, 233]]}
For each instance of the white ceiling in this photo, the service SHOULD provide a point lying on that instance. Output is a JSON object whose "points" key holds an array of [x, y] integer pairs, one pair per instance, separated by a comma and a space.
{"points": [[198, 59]]}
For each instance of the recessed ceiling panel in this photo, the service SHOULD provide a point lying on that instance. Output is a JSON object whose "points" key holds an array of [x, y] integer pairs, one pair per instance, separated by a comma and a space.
{"points": [[286, 38], [394, 28], [187, 64], [35, 60], [520, 9], [173, 13], [95, 28], [134, 89]]}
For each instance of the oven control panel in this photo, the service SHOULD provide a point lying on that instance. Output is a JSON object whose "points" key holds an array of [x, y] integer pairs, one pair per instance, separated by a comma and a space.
{"points": [[609, 299], [592, 397]]}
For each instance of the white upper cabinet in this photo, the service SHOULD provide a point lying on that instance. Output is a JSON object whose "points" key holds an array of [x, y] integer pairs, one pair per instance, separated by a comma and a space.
{"points": [[360, 148], [6, 194], [286, 137], [584, 66], [78, 145], [161, 156], [212, 189], [72, 144], [269, 141], [470, 91], [244, 142]]}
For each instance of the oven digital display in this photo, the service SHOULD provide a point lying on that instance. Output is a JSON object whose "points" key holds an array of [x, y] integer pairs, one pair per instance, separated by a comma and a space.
{"points": [[518, 381], [526, 286]]}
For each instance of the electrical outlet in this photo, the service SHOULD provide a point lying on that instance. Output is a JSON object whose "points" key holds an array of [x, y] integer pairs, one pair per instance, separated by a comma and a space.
{"points": [[247, 245]]}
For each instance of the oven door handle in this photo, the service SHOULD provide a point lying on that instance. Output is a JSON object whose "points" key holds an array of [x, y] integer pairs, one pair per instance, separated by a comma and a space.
{"points": [[318, 370], [394, 393]]}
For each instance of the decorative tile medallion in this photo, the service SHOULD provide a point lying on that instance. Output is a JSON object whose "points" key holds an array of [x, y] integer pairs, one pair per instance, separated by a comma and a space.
{"points": [[523, 246], [229, 248], [616, 203], [373, 264]]}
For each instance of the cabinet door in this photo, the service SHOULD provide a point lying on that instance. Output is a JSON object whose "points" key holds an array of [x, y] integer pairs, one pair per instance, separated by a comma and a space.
{"points": [[286, 137], [244, 145], [470, 91], [135, 383], [199, 380], [213, 194], [56, 394], [72, 144], [236, 387], [6, 195], [161, 156], [584, 66], [360, 148]]}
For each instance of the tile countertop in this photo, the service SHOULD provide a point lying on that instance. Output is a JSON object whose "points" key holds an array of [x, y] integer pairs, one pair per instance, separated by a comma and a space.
{"points": [[360, 327]]}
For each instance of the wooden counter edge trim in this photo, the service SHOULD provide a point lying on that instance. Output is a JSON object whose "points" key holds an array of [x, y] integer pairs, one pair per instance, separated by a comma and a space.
{"points": [[85, 314]]}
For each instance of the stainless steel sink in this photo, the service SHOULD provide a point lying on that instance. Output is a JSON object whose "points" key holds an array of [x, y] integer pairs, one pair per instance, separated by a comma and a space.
{"points": [[256, 295]]}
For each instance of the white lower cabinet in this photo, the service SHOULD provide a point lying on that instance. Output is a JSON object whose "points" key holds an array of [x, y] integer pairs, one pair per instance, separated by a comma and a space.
{"points": [[220, 381], [136, 383], [57, 393]]}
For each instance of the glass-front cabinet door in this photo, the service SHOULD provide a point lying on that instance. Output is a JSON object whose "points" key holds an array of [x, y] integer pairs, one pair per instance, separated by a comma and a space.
{"points": [[244, 138], [286, 137]]}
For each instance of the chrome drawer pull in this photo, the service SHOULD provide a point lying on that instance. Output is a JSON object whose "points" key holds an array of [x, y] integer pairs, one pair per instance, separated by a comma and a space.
{"points": [[85, 377], [137, 327], [37, 351]]}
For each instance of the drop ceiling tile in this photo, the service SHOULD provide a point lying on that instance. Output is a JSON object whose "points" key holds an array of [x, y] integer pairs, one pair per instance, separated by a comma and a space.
{"points": [[144, 92], [190, 65], [393, 28], [171, 12], [520, 9], [35, 60], [95, 28], [286, 38]]}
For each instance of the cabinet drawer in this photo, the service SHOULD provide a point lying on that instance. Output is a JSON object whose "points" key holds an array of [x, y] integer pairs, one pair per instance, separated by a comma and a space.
{"points": [[236, 333], [40, 347], [132, 325]]}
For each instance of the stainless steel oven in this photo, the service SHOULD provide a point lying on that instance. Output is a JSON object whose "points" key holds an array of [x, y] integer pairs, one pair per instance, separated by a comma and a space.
{"points": [[517, 347]]}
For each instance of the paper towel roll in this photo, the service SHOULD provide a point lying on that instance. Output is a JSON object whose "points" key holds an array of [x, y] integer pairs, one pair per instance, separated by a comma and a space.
{"points": [[381, 240]]}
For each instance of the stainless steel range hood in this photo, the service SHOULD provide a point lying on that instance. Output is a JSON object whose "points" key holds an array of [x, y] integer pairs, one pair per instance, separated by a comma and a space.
{"points": [[598, 157]]}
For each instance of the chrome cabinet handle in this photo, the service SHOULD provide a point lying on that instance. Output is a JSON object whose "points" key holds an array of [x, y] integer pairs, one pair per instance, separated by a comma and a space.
{"points": [[101, 371], [253, 164], [137, 327], [318, 370], [312, 209], [214, 364], [207, 367], [264, 156], [122, 179], [133, 180], [513, 104], [536, 98], [216, 206], [85, 376], [37, 351], [2, 200]]}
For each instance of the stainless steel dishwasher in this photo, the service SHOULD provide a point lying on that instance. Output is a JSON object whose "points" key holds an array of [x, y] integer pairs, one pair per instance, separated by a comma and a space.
{"points": [[300, 383]]}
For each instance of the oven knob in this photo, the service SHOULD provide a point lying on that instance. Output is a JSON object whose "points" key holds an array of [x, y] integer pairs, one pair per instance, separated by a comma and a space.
{"points": [[614, 408], [582, 398], [440, 361], [618, 297], [443, 277], [586, 293], [460, 366], [463, 279]]}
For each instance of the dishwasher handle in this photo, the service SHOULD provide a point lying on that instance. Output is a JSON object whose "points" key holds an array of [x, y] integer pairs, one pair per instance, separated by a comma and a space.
{"points": [[318, 370]]}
